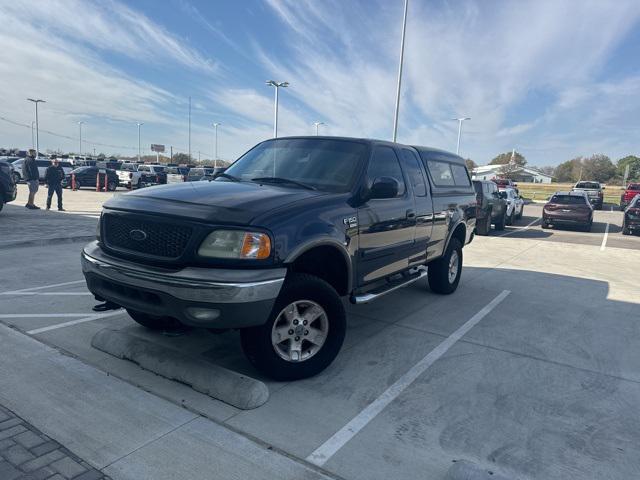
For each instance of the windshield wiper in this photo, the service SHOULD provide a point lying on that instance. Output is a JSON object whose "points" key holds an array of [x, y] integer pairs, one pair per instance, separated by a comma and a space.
{"points": [[283, 180], [229, 176]]}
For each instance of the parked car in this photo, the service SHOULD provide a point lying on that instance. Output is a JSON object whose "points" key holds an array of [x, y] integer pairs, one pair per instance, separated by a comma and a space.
{"points": [[629, 194], [491, 208], [568, 208], [594, 192], [153, 174], [129, 176], [515, 204], [8, 189], [631, 222], [506, 183], [87, 176], [177, 174], [271, 245], [42, 165]]}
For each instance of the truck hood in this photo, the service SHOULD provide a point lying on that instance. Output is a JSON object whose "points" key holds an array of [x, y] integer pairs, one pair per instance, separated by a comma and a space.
{"points": [[216, 202]]}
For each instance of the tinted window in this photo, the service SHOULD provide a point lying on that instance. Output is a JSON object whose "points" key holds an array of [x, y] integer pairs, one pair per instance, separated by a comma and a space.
{"points": [[412, 167], [441, 173], [568, 199], [633, 186], [385, 164], [81, 170], [460, 176], [66, 165], [143, 168], [587, 185]]}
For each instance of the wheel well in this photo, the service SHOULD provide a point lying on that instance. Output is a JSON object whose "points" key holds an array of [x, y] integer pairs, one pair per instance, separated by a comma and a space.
{"points": [[460, 233], [327, 263]]}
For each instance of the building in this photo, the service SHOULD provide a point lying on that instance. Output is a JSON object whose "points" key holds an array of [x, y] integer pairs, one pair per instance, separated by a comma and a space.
{"points": [[519, 174]]}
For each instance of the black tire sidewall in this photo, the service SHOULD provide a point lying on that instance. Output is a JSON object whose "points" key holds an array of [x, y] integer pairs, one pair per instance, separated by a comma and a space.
{"points": [[256, 341], [438, 273]]}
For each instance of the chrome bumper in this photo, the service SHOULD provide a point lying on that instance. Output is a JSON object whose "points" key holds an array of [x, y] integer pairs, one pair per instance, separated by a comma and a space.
{"points": [[192, 284]]}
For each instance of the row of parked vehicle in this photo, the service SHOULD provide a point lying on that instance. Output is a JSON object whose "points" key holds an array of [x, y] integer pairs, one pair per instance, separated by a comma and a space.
{"points": [[499, 203]]}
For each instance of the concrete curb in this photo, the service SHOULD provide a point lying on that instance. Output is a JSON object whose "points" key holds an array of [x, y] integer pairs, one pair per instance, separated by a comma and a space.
{"points": [[217, 382], [465, 470], [41, 242]]}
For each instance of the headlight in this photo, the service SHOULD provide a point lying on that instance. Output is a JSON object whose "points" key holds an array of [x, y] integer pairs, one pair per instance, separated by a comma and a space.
{"points": [[236, 244]]}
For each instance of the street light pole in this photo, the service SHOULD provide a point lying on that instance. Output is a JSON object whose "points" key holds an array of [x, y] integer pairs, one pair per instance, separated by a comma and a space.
{"points": [[139, 125], [33, 134], [80, 125], [36, 101], [277, 86], [215, 158], [189, 129], [404, 28], [317, 124], [460, 120]]}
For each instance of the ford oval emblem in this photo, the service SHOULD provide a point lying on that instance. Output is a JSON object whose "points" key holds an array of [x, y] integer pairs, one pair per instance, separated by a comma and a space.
{"points": [[138, 235]]}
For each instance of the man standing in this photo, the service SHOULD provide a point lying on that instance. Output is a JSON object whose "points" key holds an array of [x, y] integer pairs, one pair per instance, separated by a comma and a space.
{"points": [[32, 177], [53, 177]]}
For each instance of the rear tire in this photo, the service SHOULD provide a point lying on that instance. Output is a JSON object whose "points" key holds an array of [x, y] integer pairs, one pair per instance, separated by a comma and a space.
{"points": [[444, 273], [511, 217], [1, 201], [269, 347], [153, 322], [111, 186], [587, 227], [78, 184], [626, 230], [484, 226], [519, 216], [546, 224], [16, 177]]}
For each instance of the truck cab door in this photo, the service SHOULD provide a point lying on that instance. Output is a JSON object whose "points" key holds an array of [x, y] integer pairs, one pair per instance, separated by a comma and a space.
{"points": [[423, 205], [386, 226]]}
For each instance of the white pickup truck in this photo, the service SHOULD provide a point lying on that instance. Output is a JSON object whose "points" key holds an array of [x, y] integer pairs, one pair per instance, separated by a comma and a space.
{"points": [[129, 176]]}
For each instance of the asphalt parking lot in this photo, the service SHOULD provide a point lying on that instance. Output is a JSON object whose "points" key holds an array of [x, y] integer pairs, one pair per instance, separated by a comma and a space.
{"points": [[530, 370]]}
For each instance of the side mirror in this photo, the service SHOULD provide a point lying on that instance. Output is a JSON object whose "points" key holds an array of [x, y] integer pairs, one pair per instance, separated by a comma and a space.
{"points": [[384, 187]]}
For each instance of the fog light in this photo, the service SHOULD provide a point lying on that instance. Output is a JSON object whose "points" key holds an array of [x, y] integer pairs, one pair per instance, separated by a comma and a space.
{"points": [[203, 314]]}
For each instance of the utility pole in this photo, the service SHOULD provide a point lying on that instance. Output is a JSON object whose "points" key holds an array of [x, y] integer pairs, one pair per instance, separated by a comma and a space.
{"points": [[189, 129], [404, 28], [139, 125], [36, 101], [277, 86], [460, 120], [80, 125], [215, 157], [171, 153], [33, 135]]}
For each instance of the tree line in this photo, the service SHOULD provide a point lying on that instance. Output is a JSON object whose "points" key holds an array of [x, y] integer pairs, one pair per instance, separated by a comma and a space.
{"points": [[597, 167]]}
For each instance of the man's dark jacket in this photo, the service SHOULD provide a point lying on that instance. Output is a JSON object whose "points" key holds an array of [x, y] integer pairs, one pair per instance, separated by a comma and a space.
{"points": [[30, 169], [54, 175]]}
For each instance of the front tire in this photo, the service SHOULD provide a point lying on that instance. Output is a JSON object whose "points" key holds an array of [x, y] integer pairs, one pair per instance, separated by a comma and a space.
{"points": [[484, 227], [511, 217], [444, 273], [626, 230], [501, 221], [303, 334], [153, 322]]}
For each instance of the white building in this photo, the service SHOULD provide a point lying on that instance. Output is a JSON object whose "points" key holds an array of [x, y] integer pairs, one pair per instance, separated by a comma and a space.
{"points": [[521, 174]]}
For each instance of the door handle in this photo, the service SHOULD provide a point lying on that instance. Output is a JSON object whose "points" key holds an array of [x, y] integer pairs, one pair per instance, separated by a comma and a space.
{"points": [[411, 214]]}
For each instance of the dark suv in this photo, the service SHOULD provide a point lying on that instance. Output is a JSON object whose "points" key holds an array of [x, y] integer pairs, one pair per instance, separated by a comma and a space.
{"points": [[8, 190], [272, 243], [492, 208]]}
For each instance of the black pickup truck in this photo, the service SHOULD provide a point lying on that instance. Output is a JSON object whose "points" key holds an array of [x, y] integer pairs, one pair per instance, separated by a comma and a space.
{"points": [[273, 243]]}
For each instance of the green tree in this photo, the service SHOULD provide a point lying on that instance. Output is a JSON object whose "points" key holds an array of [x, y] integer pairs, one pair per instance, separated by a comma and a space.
{"points": [[568, 171], [598, 167], [634, 167], [181, 158], [470, 164], [505, 158]]}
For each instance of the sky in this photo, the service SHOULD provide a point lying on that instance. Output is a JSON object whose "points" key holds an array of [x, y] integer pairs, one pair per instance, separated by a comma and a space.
{"points": [[553, 79]]}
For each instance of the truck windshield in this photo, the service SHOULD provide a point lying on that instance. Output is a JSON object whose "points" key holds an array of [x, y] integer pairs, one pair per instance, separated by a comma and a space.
{"points": [[588, 185], [326, 164]]}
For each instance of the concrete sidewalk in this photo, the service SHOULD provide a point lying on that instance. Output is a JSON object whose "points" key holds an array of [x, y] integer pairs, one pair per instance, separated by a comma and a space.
{"points": [[123, 431]]}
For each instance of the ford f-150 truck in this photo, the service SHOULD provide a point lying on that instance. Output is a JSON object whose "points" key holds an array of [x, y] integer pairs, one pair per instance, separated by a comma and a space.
{"points": [[273, 243], [593, 190], [629, 194]]}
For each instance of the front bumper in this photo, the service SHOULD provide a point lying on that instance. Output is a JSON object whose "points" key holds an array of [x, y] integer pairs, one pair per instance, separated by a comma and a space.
{"points": [[203, 297]]}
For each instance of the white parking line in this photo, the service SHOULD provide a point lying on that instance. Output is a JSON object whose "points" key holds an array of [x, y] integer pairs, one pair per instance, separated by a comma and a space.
{"points": [[604, 239], [329, 448], [75, 322], [45, 286], [520, 229], [43, 315]]}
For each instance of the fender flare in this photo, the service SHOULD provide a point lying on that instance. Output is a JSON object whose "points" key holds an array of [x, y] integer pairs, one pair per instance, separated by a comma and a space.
{"points": [[452, 230], [324, 242]]}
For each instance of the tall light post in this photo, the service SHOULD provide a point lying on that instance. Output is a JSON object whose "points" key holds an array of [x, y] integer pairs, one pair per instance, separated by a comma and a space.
{"points": [[317, 124], [80, 126], [215, 158], [277, 86], [139, 125], [36, 101], [404, 28], [189, 129], [460, 120], [33, 134]]}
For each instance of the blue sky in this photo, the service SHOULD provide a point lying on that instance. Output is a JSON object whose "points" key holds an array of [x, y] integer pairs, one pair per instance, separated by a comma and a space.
{"points": [[553, 79]]}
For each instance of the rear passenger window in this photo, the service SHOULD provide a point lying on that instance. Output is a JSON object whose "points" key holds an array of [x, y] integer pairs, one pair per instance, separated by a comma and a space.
{"points": [[385, 164], [460, 176], [412, 167], [441, 173]]}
